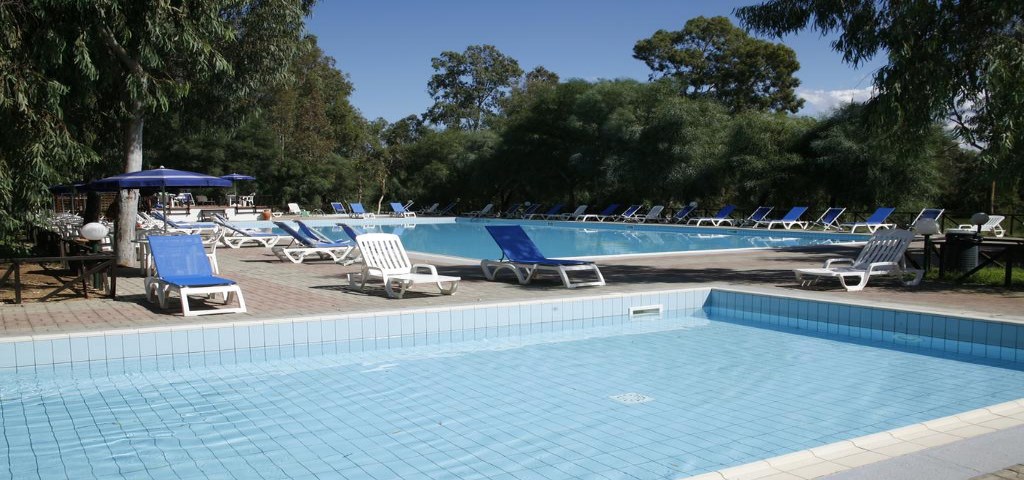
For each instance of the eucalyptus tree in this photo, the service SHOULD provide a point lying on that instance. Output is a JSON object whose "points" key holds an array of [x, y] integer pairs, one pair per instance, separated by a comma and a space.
{"points": [[953, 61], [118, 61], [469, 86], [712, 58]]}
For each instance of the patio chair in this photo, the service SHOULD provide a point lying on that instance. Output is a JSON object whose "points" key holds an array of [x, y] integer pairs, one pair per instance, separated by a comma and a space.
{"points": [[384, 257], [991, 226], [357, 211], [760, 213], [182, 266], [829, 219], [339, 208], [239, 237], [554, 211], [654, 214], [681, 214], [881, 255], [788, 221], [294, 209], [716, 220], [482, 212], [307, 245], [522, 257], [876, 221], [608, 212], [399, 210], [629, 212]]}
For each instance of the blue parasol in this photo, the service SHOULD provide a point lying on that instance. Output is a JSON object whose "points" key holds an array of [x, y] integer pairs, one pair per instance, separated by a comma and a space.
{"points": [[158, 178], [237, 177]]}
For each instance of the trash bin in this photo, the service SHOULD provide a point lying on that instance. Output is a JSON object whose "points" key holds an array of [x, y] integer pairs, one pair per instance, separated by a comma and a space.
{"points": [[962, 250]]}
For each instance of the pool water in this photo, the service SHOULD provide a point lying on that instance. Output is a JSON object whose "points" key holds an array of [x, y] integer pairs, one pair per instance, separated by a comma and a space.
{"points": [[613, 397], [469, 239]]}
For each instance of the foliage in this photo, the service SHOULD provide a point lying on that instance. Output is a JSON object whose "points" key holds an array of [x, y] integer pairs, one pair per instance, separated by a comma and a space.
{"points": [[851, 164], [711, 58], [469, 86], [952, 60], [80, 77]]}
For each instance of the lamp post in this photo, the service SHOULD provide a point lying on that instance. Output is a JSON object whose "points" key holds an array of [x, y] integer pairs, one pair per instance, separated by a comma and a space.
{"points": [[927, 227], [94, 232]]}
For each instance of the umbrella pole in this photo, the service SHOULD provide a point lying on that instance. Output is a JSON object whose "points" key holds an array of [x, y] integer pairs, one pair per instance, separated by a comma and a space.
{"points": [[165, 201]]}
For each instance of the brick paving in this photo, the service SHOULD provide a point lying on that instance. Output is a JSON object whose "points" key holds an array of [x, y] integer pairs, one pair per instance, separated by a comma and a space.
{"points": [[275, 289]]}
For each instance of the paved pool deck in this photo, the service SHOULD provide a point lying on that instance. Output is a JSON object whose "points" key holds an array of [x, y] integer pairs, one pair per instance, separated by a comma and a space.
{"points": [[275, 289]]}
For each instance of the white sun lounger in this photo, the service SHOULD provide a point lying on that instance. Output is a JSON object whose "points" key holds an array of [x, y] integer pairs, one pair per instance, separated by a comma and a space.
{"points": [[384, 258], [881, 255], [991, 226]]}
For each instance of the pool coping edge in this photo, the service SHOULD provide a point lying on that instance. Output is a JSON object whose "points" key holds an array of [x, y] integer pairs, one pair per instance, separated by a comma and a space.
{"points": [[839, 456]]}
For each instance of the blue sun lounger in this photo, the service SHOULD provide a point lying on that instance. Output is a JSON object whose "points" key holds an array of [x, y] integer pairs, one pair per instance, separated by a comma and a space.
{"points": [[552, 212], [608, 212], [522, 257], [788, 221], [682, 213], [182, 266], [760, 213], [399, 210], [829, 219], [311, 244], [876, 221], [241, 236], [357, 211], [721, 217], [339, 208], [530, 211]]}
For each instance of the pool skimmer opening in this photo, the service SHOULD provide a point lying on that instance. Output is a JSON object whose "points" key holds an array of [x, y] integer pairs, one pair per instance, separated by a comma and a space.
{"points": [[631, 398], [646, 310]]}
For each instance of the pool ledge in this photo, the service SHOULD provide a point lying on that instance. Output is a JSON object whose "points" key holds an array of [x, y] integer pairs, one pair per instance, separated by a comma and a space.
{"points": [[849, 454]]}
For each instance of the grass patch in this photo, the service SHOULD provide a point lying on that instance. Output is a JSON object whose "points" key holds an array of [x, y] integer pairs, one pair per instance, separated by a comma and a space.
{"points": [[989, 276]]}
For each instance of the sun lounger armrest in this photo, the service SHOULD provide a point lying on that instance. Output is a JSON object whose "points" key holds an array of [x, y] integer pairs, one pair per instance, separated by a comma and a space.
{"points": [[883, 266], [829, 262], [432, 269]]}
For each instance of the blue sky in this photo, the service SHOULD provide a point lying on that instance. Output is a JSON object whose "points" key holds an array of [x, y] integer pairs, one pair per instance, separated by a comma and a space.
{"points": [[386, 46]]}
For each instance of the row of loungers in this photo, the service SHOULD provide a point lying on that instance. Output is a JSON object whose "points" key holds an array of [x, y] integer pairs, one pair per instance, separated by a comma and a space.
{"points": [[181, 264], [828, 220]]}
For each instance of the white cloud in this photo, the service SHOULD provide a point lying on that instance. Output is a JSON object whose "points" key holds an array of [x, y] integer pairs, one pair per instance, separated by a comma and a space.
{"points": [[824, 101]]}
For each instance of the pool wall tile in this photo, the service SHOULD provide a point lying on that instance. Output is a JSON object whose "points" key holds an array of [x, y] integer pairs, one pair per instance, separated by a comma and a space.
{"points": [[256, 341], [909, 329]]}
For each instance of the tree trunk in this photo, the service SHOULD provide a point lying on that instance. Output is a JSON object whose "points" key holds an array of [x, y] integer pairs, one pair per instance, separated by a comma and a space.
{"points": [[128, 200], [383, 193]]}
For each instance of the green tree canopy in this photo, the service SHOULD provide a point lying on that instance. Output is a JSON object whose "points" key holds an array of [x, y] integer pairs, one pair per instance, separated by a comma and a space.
{"points": [[712, 58], [950, 60], [115, 61], [469, 86]]}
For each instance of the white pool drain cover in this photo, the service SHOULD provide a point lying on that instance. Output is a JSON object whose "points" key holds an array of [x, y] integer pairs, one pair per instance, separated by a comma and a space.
{"points": [[631, 398]]}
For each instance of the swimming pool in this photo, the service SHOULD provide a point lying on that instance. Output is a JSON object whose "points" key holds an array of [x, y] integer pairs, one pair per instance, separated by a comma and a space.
{"points": [[532, 390], [468, 238]]}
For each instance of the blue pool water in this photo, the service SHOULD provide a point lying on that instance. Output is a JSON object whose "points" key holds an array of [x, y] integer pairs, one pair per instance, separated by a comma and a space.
{"points": [[538, 404], [469, 239]]}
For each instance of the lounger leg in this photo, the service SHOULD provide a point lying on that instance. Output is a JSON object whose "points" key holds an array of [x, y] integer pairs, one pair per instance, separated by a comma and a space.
{"points": [[565, 278], [918, 275], [862, 281], [452, 287]]}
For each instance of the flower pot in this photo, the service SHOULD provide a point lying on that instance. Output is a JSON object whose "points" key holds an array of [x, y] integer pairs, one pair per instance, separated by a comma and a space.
{"points": [[266, 215]]}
